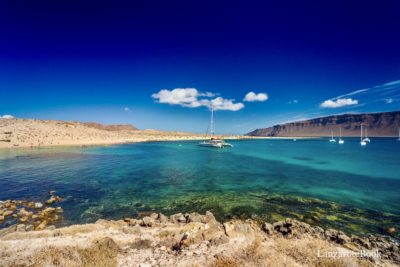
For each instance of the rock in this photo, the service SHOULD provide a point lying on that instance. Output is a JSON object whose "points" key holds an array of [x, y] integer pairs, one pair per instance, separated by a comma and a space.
{"points": [[194, 217], [148, 221], [49, 210], [361, 241], [268, 228], [337, 236], [154, 215], [177, 218], [209, 218], [51, 227], [162, 218], [52, 192], [20, 228], [390, 230], [24, 213], [1, 218], [51, 200], [29, 227], [38, 205], [41, 226], [59, 210], [238, 228], [23, 219], [34, 216], [342, 238], [7, 213]]}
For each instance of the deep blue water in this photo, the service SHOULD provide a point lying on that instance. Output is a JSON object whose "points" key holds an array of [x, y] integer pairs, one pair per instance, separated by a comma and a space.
{"points": [[347, 186]]}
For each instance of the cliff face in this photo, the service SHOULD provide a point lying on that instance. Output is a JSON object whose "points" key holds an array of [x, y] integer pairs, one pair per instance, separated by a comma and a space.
{"points": [[377, 124]]}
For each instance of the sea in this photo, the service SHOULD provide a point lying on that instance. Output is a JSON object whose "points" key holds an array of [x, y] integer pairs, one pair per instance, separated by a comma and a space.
{"points": [[348, 187]]}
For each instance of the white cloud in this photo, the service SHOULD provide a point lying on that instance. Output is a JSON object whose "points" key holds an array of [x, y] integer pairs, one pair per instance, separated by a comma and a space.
{"points": [[389, 100], [7, 116], [252, 97], [295, 101], [337, 103], [220, 103], [192, 98], [127, 109]]}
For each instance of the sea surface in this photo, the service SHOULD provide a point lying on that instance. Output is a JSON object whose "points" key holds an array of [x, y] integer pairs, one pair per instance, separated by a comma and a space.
{"points": [[349, 187]]}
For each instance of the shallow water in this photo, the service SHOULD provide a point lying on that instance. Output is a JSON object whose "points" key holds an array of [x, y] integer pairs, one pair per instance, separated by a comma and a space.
{"points": [[353, 188]]}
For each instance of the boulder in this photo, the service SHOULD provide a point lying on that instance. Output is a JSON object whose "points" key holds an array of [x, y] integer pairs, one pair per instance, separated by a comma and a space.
{"points": [[267, 228], [177, 218], [148, 221], [38, 205]]}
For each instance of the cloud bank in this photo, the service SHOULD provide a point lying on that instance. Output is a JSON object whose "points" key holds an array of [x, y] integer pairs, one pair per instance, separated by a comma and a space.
{"points": [[192, 98], [341, 102], [253, 97]]}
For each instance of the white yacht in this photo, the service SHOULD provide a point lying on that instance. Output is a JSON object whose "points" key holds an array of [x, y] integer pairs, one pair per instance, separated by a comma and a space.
{"points": [[341, 141], [332, 140], [214, 141], [362, 142], [366, 139]]}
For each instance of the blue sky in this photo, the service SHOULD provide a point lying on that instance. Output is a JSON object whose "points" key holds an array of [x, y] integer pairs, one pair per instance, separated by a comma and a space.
{"points": [[108, 61]]}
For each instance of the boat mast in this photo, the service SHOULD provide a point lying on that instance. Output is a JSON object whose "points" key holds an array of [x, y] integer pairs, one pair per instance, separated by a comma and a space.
{"points": [[361, 132], [212, 121]]}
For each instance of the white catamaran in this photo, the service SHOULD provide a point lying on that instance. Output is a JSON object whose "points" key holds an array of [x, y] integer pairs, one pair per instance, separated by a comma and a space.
{"points": [[362, 141], [214, 141], [341, 141]]}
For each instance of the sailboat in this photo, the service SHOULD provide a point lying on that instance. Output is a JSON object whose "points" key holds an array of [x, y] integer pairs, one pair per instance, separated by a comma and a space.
{"points": [[332, 140], [362, 142], [366, 139], [341, 141], [214, 141]]}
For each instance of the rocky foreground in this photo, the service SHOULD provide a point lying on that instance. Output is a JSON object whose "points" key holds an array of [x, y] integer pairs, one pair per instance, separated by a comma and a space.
{"points": [[192, 240]]}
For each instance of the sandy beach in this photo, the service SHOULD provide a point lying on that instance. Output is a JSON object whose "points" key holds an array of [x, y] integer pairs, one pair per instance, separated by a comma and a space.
{"points": [[24, 133]]}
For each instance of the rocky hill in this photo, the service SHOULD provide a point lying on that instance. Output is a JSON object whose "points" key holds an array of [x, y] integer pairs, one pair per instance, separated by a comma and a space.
{"points": [[114, 127], [383, 124]]}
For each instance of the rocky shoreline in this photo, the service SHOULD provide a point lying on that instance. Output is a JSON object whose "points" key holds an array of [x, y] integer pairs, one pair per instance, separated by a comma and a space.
{"points": [[192, 239]]}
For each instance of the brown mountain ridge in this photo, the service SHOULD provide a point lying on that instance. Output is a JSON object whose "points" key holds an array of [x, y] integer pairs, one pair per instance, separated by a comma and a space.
{"points": [[383, 124]]}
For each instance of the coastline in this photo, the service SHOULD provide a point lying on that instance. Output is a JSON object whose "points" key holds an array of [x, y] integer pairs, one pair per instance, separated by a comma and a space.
{"points": [[192, 239]]}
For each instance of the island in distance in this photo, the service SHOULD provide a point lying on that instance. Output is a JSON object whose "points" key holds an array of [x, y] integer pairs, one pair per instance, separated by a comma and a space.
{"points": [[384, 124]]}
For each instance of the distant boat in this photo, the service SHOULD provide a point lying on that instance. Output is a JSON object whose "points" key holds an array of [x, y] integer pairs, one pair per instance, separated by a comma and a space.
{"points": [[341, 141], [366, 139], [214, 141], [399, 135], [332, 140], [362, 142]]}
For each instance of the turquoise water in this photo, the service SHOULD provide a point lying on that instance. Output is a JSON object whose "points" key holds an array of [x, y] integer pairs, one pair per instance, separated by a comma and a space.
{"points": [[350, 187]]}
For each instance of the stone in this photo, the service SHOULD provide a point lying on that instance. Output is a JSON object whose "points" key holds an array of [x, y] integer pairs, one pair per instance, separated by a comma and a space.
{"points": [[148, 221], [49, 210], [162, 218], [23, 219], [41, 226], [59, 210], [51, 200], [194, 217], [7, 213], [390, 230], [1, 218], [38, 205], [267, 228], [177, 218], [20, 228], [29, 227]]}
